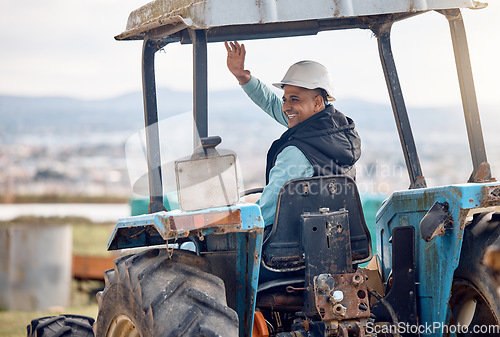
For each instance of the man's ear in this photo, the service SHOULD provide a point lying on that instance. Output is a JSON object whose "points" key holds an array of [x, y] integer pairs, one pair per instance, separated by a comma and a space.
{"points": [[318, 103]]}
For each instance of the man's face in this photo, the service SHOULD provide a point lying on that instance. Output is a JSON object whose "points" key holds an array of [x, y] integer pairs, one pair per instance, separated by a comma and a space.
{"points": [[299, 104]]}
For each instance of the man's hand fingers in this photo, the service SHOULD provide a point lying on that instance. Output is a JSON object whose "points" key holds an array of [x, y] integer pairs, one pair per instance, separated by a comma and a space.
{"points": [[238, 47], [233, 47], [236, 60]]}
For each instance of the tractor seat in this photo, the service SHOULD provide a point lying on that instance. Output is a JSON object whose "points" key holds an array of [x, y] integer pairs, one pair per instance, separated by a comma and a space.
{"points": [[283, 249]]}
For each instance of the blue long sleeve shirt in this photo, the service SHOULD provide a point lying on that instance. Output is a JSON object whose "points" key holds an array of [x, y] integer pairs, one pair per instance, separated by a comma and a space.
{"points": [[290, 164]]}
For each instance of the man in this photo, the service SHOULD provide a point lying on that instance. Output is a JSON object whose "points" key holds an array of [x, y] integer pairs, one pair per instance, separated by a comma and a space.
{"points": [[319, 141]]}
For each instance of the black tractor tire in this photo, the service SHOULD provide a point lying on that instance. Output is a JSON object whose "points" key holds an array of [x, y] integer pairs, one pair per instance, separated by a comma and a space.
{"points": [[473, 281], [64, 325], [157, 293]]}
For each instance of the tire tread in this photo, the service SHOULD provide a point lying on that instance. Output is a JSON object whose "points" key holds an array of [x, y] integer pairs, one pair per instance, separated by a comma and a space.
{"points": [[63, 325], [167, 295]]}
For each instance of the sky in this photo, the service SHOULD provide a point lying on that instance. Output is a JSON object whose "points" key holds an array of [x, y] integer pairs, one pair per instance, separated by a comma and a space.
{"points": [[67, 48]]}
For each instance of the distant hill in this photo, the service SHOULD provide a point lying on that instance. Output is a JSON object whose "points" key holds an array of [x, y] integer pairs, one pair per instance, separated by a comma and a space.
{"points": [[68, 115], [60, 115], [24, 116], [439, 133]]}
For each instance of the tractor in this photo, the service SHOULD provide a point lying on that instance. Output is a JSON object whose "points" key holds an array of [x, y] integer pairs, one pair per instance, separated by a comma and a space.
{"points": [[213, 269]]}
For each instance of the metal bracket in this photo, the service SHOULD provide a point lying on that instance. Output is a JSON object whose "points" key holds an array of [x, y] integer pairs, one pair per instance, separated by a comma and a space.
{"points": [[402, 296], [327, 249], [436, 221], [341, 296]]}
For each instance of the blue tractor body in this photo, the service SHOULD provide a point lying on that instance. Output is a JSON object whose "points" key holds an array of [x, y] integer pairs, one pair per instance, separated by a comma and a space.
{"points": [[434, 261]]}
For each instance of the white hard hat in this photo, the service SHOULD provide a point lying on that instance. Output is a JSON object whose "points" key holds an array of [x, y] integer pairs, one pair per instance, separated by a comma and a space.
{"points": [[309, 75]]}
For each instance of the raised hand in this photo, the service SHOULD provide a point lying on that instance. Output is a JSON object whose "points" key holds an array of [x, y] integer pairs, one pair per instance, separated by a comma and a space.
{"points": [[236, 61]]}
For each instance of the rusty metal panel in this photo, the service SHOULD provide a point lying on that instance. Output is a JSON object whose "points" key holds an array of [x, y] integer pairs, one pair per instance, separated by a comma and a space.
{"points": [[326, 239], [192, 222], [327, 243], [341, 296], [491, 195], [174, 15]]}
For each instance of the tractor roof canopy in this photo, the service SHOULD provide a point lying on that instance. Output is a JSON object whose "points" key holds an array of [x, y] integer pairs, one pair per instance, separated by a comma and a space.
{"points": [[271, 18]]}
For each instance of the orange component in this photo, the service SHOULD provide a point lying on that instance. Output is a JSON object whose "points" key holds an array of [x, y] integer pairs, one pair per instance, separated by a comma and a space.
{"points": [[196, 221], [259, 325], [91, 267]]}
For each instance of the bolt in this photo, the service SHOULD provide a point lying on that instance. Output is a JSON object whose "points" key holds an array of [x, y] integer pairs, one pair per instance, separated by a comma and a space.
{"points": [[339, 309], [338, 296], [357, 279], [324, 210]]}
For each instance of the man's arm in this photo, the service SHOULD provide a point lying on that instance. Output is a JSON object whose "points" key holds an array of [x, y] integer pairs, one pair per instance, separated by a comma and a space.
{"points": [[265, 99], [290, 164], [258, 92]]}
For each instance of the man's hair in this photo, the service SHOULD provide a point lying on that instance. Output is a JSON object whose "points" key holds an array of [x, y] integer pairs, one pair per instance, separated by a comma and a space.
{"points": [[324, 95]]}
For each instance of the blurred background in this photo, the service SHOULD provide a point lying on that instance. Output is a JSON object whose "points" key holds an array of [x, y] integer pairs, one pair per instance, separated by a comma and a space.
{"points": [[70, 100]]}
